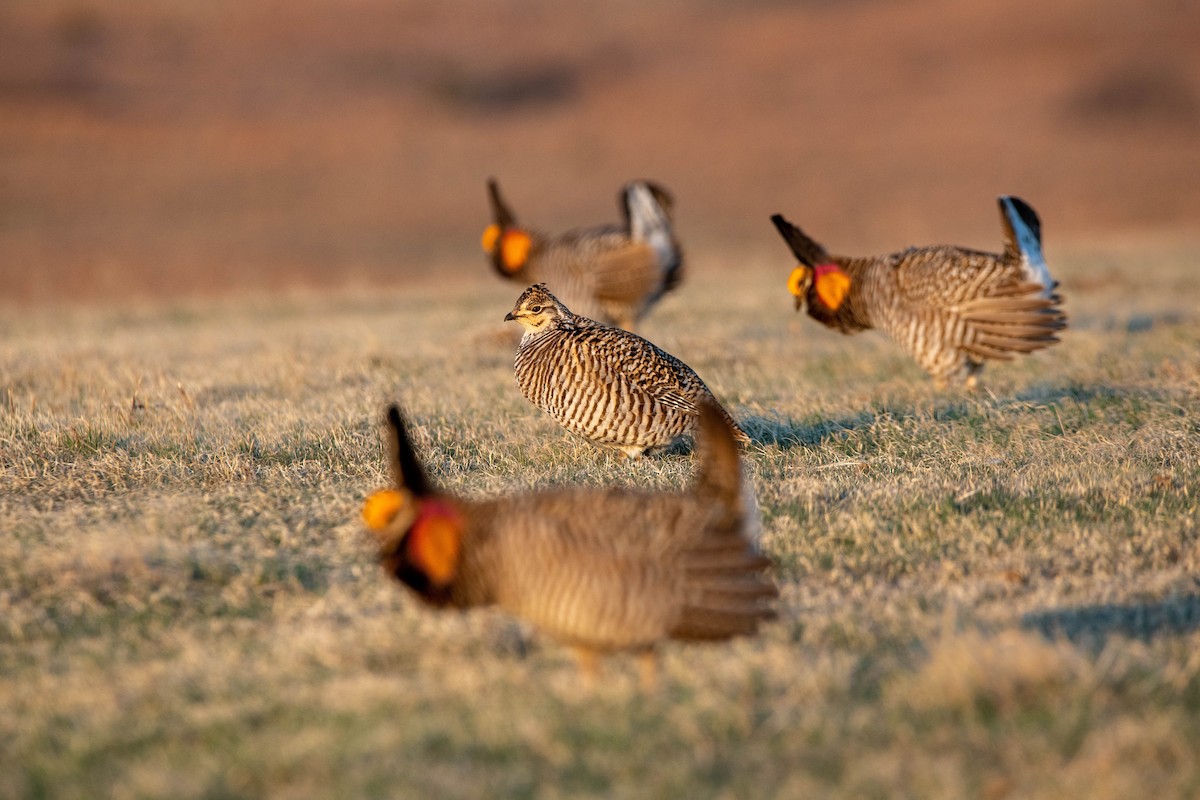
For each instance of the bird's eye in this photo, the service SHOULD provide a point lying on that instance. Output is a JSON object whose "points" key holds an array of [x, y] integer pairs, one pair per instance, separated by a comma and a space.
{"points": [[536, 309]]}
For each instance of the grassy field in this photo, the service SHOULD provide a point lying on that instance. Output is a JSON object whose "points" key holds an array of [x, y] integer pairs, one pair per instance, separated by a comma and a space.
{"points": [[989, 595]]}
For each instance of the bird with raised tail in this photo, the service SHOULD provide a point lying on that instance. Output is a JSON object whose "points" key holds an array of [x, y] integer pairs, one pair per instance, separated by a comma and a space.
{"points": [[608, 385], [611, 273], [601, 570], [951, 308]]}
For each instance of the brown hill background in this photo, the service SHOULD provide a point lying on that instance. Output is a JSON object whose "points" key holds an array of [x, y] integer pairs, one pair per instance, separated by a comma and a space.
{"points": [[157, 148]]}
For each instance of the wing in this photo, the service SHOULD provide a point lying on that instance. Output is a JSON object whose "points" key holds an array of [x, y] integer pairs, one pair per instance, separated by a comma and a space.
{"points": [[617, 269], [1016, 319], [594, 567], [628, 359], [725, 589], [629, 274], [617, 568], [987, 302]]}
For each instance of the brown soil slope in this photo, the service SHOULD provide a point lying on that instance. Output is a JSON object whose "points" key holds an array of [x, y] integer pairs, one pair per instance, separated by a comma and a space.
{"points": [[166, 147]]}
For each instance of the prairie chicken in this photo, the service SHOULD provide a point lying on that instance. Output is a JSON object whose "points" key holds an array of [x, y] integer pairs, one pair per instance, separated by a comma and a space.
{"points": [[599, 569], [606, 384], [610, 273], [949, 307]]}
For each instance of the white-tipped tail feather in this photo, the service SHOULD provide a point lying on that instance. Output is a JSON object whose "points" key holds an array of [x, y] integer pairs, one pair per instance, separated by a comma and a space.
{"points": [[1026, 232], [650, 222]]}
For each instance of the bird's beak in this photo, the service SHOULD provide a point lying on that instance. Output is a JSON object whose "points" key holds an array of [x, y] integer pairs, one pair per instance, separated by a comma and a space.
{"points": [[509, 317], [799, 301]]}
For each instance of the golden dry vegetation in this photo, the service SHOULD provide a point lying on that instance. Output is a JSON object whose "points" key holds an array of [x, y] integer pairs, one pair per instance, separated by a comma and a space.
{"points": [[989, 595]]}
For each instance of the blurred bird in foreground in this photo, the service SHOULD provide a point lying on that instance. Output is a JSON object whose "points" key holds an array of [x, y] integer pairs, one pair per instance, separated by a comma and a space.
{"points": [[951, 308], [608, 385], [601, 570], [612, 273]]}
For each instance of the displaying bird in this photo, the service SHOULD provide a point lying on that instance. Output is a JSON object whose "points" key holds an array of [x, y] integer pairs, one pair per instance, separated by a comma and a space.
{"points": [[601, 570], [613, 273], [608, 385], [951, 308]]}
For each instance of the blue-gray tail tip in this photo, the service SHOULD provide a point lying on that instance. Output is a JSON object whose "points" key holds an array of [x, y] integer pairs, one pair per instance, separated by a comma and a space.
{"points": [[1017, 214], [1023, 241]]}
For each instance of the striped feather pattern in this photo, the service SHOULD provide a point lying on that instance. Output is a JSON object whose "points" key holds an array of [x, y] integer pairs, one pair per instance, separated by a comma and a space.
{"points": [[604, 569], [951, 308], [605, 384]]}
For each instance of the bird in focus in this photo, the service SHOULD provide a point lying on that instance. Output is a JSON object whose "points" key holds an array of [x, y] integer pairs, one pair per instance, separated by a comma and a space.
{"points": [[612, 273], [606, 384], [951, 308], [601, 570]]}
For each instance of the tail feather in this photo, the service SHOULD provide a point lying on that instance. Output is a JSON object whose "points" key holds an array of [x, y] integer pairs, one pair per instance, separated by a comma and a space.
{"points": [[647, 209], [728, 593], [719, 470], [406, 468], [802, 247], [1023, 241], [704, 623], [738, 434]]}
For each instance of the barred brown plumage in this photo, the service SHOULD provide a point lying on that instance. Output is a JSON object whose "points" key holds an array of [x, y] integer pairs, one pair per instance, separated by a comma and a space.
{"points": [[951, 308], [612, 273], [599, 569], [605, 384]]}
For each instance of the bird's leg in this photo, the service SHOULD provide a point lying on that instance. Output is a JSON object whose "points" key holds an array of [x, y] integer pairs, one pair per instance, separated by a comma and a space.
{"points": [[973, 368], [648, 670], [589, 666]]}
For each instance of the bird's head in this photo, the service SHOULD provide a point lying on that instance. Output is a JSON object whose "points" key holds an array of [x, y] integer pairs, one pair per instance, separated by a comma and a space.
{"points": [[799, 283], [537, 310], [818, 278], [507, 244], [509, 248], [420, 539], [419, 532], [828, 282]]}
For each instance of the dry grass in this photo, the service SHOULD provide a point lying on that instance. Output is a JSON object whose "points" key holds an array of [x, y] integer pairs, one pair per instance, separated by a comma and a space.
{"points": [[984, 596]]}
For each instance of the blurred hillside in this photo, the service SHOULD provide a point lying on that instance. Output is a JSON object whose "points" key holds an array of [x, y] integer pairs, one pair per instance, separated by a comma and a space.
{"points": [[156, 147]]}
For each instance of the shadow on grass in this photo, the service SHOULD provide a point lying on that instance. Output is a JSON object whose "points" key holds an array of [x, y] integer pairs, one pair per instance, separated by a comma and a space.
{"points": [[1101, 394], [789, 433], [1091, 625], [950, 407], [682, 447]]}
